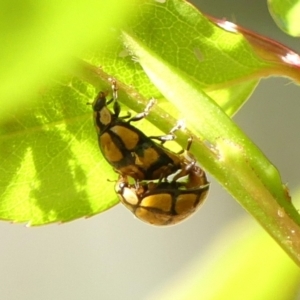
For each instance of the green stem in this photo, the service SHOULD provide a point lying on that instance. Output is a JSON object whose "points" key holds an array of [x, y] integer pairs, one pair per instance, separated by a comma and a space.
{"points": [[226, 152]]}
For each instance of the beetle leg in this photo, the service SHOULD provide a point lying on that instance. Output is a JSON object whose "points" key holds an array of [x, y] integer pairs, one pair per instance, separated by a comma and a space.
{"points": [[189, 143], [184, 171], [180, 124], [128, 115], [170, 136], [114, 89], [117, 108], [110, 101], [144, 113], [163, 138]]}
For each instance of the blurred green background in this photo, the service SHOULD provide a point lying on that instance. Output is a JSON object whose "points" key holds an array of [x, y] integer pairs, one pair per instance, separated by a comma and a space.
{"points": [[114, 256]]}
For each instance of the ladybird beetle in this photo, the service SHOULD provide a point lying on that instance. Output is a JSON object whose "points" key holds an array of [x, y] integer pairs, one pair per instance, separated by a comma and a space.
{"points": [[126, 148], [165, 203]]}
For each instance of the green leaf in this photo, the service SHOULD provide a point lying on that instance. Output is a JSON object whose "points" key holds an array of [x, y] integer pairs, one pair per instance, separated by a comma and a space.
{"points": [[286, 15], [39, 40], [222, 148], [52, 169], [226, 152]]}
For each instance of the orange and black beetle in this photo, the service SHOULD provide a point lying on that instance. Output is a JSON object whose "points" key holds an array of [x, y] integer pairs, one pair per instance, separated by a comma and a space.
{"points": [[128, 149], [164, 202]]}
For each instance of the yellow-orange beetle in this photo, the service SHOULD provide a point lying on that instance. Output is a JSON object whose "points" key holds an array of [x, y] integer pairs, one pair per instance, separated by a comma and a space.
{"points": [[165, 202], [128, 149]]}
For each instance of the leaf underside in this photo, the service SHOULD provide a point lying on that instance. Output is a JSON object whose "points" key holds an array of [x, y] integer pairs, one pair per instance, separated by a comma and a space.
{"points": [[51, 167]]}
